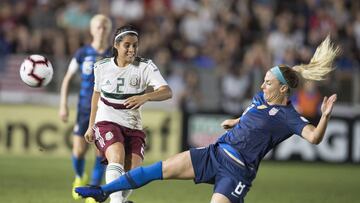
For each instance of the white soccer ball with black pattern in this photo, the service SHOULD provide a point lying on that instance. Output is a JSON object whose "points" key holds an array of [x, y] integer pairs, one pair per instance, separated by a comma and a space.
{"points": [[36, 71]]}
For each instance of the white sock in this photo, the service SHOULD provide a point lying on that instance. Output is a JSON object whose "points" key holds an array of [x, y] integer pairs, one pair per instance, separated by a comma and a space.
{"points": [[113, 172]]}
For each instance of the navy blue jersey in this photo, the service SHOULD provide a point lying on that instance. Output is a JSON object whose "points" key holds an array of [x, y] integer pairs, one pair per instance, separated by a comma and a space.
{"points": [[261, 128], [86, 56]]}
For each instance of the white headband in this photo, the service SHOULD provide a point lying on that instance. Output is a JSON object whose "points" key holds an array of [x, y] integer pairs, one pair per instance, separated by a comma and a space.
{"points": [[126, 32]]}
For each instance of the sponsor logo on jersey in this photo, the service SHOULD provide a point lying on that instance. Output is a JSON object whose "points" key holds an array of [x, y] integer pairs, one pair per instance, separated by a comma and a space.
{"points": [[273, 111], [135, 81], [108, 82]]}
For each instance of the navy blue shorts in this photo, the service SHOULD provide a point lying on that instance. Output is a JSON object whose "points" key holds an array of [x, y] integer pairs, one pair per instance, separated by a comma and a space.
{"points": [[213, 166], [82, 123]]}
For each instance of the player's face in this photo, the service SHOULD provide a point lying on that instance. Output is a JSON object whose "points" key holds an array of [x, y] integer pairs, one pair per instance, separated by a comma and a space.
{"points": [[271, 88], [100, 30], [127, 48]]}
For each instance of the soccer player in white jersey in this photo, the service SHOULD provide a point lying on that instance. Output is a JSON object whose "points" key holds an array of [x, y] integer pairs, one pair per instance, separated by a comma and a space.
{"points": [[119, 92]]}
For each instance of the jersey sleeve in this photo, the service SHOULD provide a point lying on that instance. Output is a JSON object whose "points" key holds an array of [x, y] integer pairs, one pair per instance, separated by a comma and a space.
{"points": [[154, 77], [296, 122], [73, 66], [75, 62], [258, 99], [97, 79]]}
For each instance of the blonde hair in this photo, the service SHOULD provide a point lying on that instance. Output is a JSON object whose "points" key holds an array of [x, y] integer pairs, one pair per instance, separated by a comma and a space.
{"points": [[101, 18], [321, 62]]}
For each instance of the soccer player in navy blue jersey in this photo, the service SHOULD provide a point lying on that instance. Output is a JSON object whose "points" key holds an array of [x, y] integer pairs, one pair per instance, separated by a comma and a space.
{"points": [[232, 162], [83, 63]]}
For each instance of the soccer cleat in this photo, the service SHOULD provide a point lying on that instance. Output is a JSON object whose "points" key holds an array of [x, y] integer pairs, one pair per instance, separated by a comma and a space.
{"points": [[78, 182], [92, 191], [129, 201], [90, 200]]}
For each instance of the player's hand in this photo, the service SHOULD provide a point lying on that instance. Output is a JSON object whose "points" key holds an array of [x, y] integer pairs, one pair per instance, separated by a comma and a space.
{"points": [[328, 104], [135, 102], [229, 123], [64, 114], [89, 135]]}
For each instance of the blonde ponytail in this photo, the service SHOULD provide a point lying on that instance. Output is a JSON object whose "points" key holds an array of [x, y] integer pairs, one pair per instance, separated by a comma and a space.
{"points": [[321, 62]]}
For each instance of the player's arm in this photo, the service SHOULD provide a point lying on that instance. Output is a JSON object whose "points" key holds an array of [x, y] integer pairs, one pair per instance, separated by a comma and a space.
{"points": [[63, 109], [89, 135], [160, 94], [230, 123], [315, 134]]}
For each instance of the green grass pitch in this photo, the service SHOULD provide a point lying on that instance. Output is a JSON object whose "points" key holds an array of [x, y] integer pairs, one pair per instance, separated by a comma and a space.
{"points": [[44, 179]]}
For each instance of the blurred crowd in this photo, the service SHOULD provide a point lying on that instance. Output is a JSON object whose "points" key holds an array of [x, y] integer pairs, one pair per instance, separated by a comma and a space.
{"points": [[213, 53]]}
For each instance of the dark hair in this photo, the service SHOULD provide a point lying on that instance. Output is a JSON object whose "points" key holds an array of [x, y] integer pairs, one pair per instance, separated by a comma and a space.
{"points": [[290, 76], [126, 28]]}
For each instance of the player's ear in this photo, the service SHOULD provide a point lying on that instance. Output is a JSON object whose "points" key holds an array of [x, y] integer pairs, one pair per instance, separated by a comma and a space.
{"points": [[284, 88]]}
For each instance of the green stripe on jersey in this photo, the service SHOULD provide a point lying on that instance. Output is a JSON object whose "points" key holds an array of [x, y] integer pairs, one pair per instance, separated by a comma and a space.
{"points": [[120, 96]]}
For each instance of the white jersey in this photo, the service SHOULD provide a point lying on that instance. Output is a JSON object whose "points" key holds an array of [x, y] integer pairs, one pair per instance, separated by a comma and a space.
{"points": [[116, 84]]}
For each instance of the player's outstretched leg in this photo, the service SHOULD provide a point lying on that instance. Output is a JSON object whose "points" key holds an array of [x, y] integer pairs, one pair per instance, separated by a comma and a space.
{"points": [[133, 179]]}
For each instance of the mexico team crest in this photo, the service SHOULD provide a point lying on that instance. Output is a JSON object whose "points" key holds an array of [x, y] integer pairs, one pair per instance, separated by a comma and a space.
{"points": [[135, 81], [109, 136]]}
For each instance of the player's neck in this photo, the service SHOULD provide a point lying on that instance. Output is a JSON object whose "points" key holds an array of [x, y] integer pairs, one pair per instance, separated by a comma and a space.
{"points": [[121, 63], [99, 46], [280, 100]]}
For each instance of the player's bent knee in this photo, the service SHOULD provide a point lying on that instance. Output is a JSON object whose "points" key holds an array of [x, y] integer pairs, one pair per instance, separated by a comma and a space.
{"points": [[115, 153], [219, 198], [79, 151]]}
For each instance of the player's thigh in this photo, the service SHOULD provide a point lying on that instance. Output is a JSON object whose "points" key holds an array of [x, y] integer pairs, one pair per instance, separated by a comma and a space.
{"points": [[115, 153], [178, 166], [134, 148], [219, 198]]}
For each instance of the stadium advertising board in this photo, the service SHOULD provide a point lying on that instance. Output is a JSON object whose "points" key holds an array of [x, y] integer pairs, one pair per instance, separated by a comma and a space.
{"points": [[204, 129], [33, 130], [341, 143]]}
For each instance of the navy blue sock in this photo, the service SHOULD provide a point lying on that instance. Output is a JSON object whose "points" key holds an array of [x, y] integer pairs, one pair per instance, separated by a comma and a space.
{"points": [[79, 165], [135, 178], [98, 171]]}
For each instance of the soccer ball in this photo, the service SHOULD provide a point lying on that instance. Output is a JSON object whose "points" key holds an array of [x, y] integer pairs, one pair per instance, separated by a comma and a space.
{"points": [[36, 71]]}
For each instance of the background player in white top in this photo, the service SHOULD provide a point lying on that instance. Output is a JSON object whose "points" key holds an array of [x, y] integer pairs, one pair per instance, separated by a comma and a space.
{"points": [[83, 63], [119, 93]]}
